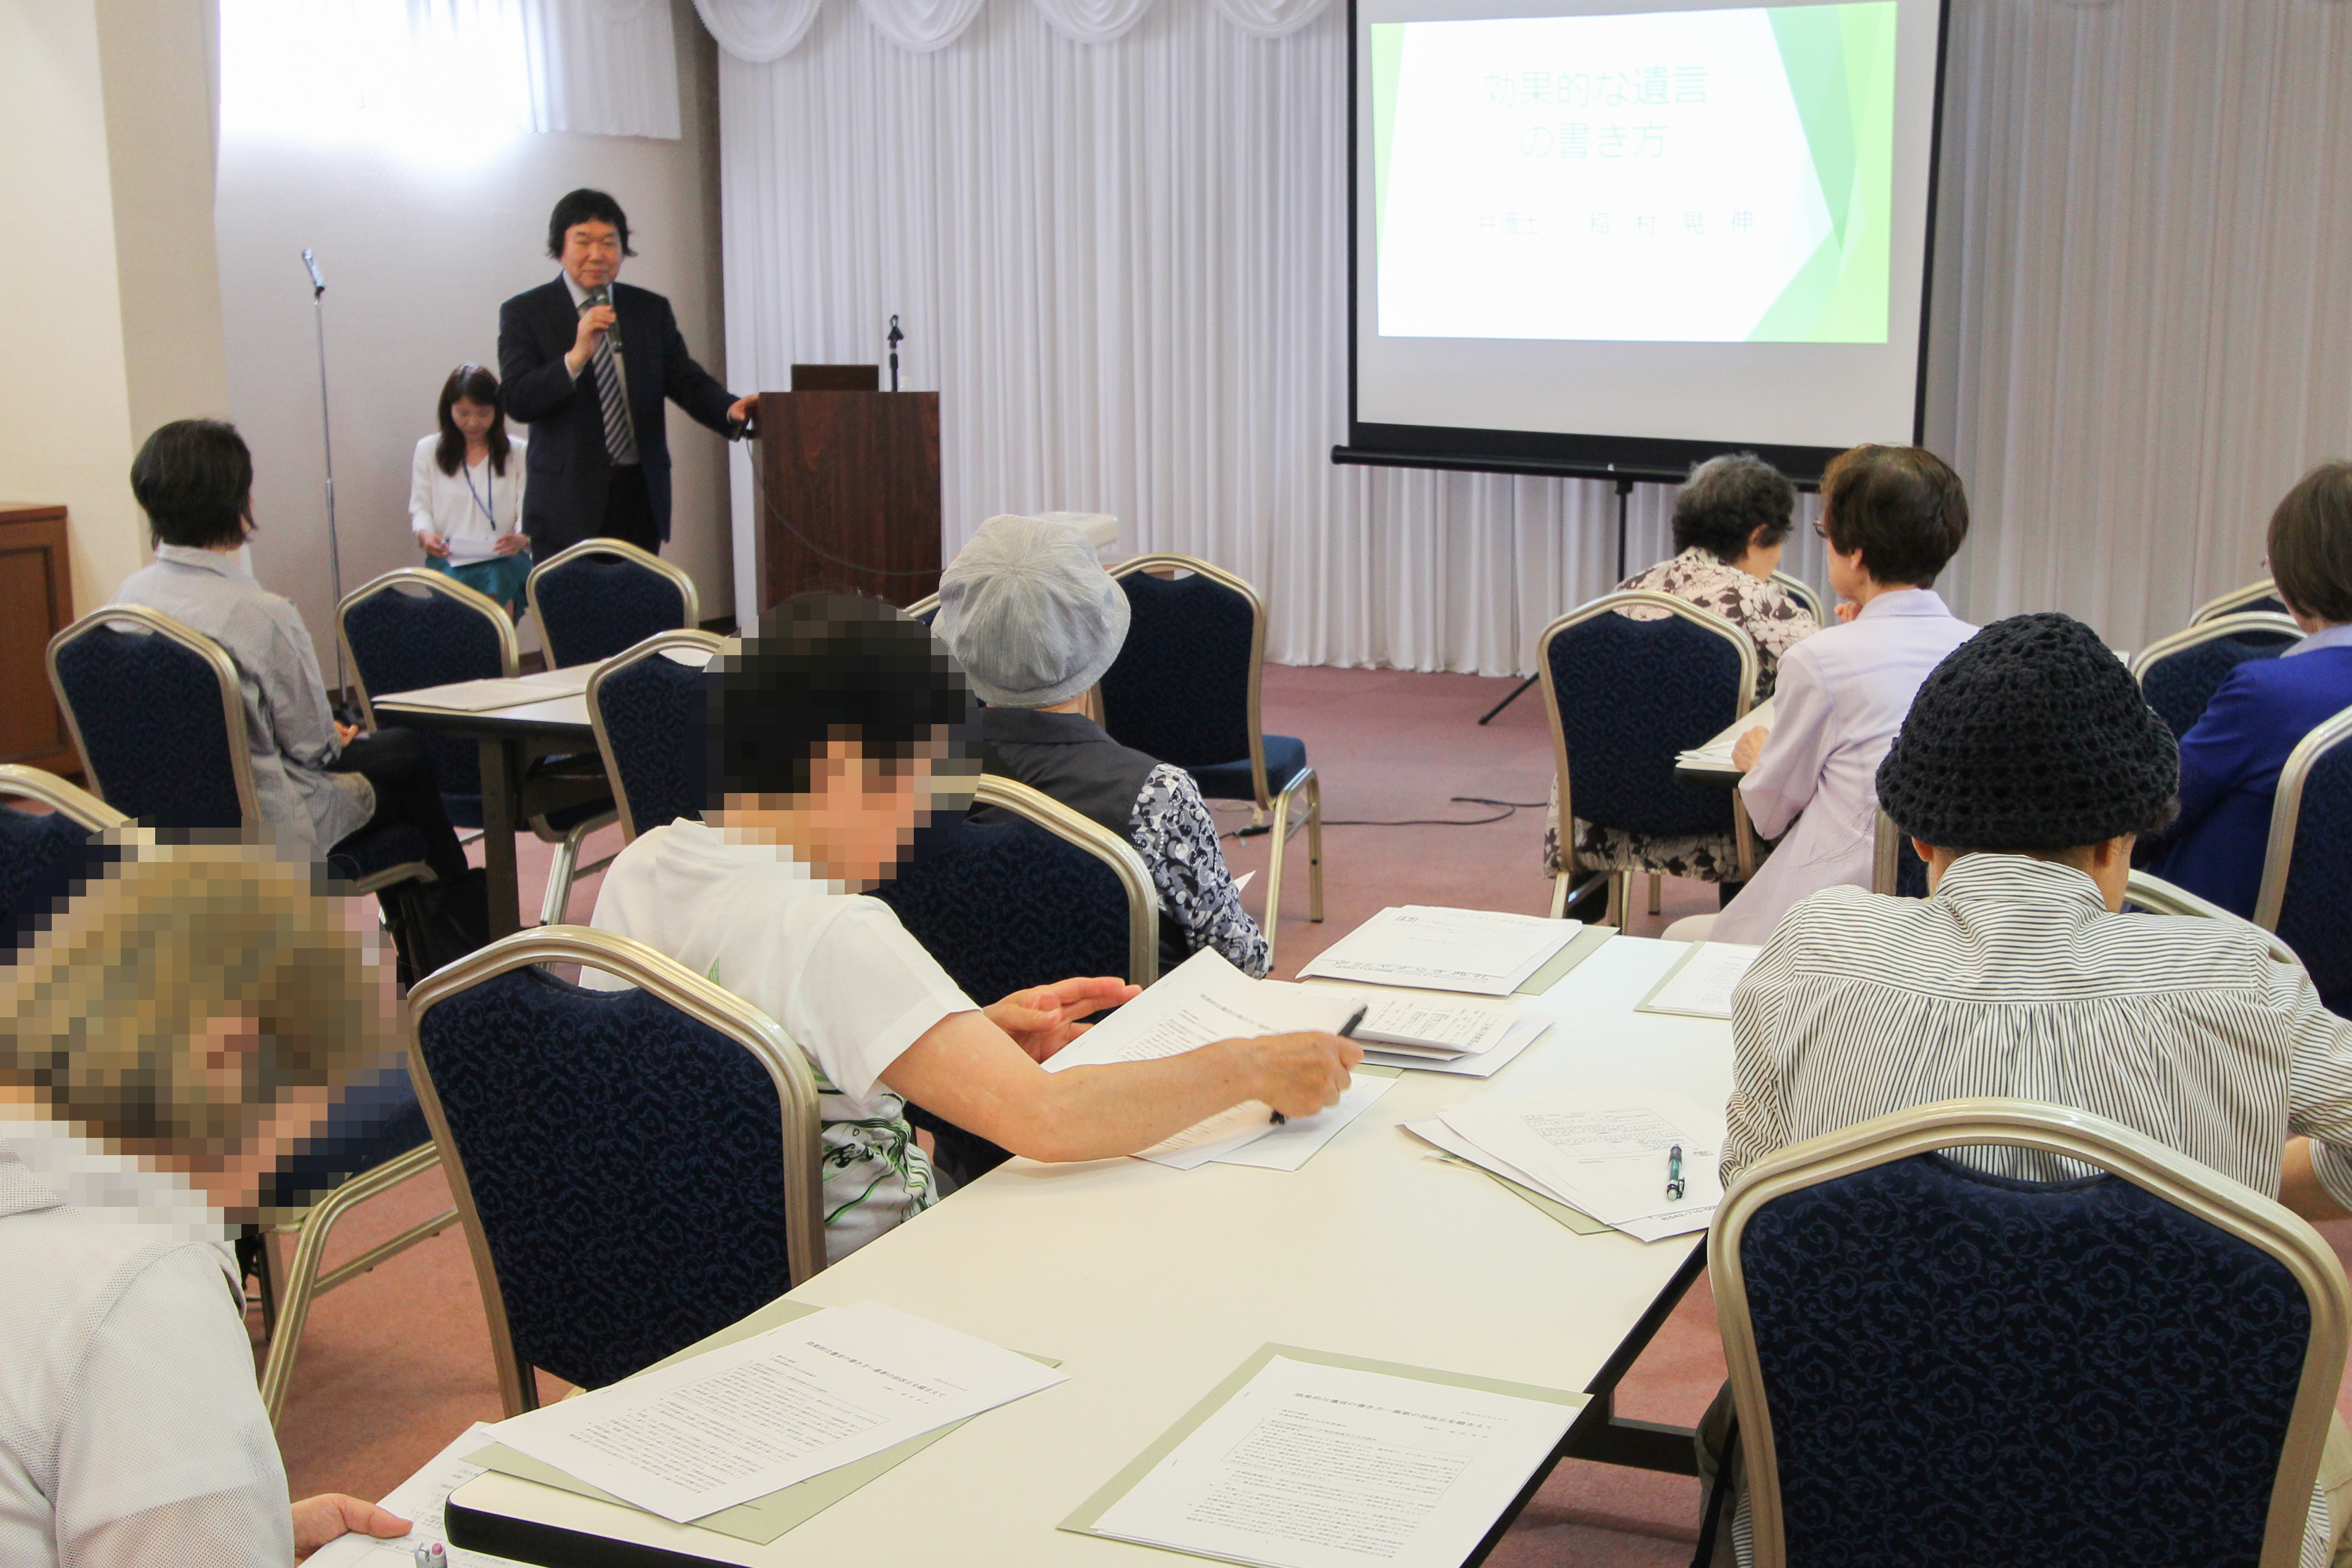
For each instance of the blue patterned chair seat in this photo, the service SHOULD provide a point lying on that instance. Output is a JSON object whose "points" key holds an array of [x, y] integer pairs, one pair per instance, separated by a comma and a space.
{"points": [[148, 713], [2315, 916], [652, 711], [2180, 685], [1631, 694], [1285, 759], [625, 1162], [43, 858], [1966, 1369], [597, 605], [376, 1118]]}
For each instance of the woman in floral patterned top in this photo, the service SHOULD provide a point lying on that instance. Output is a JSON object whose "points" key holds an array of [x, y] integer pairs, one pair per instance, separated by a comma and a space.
{"points": [[1731, 519]]}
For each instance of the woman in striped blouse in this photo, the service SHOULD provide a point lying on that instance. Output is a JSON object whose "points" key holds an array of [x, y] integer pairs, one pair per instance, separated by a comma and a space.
{"points": [[2025, 768]]}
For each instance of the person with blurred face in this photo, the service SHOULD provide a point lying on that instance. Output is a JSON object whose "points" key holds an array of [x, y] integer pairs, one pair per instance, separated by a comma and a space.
{"points": [[835, 732], [586, 362], [170, 1037]]}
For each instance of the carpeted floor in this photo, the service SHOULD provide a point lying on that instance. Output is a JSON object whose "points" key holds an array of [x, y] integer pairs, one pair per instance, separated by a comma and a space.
{"points": [[397, 1363]]}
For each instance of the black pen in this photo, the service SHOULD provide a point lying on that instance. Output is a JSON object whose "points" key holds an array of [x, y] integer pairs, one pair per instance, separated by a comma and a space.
{"points": [[1675, 1172], [1347, 1031]]}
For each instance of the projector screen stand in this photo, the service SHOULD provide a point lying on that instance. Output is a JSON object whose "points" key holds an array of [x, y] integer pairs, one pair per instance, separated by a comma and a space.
{"points": [[1624, 495]]}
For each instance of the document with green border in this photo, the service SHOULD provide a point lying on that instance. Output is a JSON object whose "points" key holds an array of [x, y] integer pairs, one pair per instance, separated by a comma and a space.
{"points": [[763, 1520], [1083, 1522]]}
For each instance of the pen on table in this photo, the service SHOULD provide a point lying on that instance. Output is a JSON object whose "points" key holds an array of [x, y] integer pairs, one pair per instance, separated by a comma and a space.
{"points": [[1675, 1172], [433, 1556], [1347, 1031]]}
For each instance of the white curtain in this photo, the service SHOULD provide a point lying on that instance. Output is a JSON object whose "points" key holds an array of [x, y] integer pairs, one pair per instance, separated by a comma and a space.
{"points": [[759, 31], [1123, 267], [421, 72], [756, 30]]}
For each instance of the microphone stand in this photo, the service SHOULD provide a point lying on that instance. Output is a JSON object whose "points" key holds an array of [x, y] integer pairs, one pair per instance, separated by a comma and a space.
{"points": [[896, 338], [327, 443]]}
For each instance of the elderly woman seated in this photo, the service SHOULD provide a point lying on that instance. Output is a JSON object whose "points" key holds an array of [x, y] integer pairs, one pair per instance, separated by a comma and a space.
{"points": [[1731, 519], [177, 1028]]}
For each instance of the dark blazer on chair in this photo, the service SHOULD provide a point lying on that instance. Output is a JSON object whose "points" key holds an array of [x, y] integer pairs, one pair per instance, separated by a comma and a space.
{"points": [[2230, 765], [564, 502]]}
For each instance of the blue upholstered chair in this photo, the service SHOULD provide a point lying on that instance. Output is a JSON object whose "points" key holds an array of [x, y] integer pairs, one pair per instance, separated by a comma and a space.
{"points": [[647, 708], [2179, 674], [604, 597], [411, 628], [2261, 597], [2306, 892], [1022, 892], [157, 715], [1931, 1364], [1186, 687], [44, 854], [1805, 594], [637, 1169], [1626, 696]]}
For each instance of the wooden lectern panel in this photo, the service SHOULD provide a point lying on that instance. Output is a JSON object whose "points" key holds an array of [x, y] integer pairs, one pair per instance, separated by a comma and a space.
{"points": [[848, 495]]}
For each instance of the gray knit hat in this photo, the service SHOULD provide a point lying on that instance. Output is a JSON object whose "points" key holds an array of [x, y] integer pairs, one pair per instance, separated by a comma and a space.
{"points": [[1030, 613], [2030, 735]]}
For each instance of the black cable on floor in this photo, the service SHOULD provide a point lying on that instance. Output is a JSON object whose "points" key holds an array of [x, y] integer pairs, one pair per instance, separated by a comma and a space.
{"points": [[1510, 808]]}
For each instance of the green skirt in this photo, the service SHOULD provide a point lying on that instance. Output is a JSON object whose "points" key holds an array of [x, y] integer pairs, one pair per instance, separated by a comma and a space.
{"points": [[501, 579]]}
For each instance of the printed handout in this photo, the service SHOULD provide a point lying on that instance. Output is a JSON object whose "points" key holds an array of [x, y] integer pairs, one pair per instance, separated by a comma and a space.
{"points": [[1479, 951], [1606, 1151], [1701, 984]]}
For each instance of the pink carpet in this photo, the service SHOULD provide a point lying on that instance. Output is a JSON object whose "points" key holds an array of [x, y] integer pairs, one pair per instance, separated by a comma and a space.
{"points": [[397, 1363]]}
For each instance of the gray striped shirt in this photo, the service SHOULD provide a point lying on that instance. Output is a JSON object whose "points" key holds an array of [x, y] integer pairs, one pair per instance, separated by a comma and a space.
{"points": [[2015, 980]]}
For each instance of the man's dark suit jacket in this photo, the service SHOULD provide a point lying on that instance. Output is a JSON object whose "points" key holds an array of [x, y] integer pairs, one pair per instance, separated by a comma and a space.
{"points": [[564, 501]]}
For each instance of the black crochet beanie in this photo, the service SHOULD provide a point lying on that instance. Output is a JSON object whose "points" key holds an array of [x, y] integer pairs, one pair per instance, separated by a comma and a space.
{"points": [[2030, 735]]}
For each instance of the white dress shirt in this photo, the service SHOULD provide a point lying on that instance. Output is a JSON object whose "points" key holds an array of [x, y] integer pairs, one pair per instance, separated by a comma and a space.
{"points": [[475, 503], [131, 1433], [1843, 694]]}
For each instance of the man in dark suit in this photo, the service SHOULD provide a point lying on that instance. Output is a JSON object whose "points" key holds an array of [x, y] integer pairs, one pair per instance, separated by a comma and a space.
{"points": [[585, 363]]}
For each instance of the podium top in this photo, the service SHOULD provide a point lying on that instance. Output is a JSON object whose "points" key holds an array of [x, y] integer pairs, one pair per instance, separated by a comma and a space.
{"points": [[836, 378]]}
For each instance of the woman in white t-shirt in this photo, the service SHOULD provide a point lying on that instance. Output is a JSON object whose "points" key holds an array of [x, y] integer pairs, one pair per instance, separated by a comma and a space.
{"points": [[464, 491], [829, 725], [170, 1034]]}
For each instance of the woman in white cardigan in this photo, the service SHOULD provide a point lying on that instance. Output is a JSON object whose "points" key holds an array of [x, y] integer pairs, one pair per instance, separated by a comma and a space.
{"points": [[464, 491]]}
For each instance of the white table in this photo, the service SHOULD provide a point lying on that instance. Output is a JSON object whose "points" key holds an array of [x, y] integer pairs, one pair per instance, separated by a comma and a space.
{"points": [[1150, 1285]]}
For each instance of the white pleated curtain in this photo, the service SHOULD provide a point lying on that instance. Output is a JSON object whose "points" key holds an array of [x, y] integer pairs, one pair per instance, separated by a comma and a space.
{"points": [[1123, 265], [437, 67], [758, 31]]}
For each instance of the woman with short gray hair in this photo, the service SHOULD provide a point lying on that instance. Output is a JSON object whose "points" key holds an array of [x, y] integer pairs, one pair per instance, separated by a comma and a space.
{"points": [[1731, 519]]}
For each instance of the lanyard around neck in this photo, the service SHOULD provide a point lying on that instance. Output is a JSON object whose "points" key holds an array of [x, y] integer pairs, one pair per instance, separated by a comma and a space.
{"points": [[489, 483]]}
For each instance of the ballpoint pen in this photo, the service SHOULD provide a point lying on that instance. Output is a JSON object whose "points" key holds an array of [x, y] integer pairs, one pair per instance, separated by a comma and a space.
{"points": [[433, 1556], [1675, 1172]]}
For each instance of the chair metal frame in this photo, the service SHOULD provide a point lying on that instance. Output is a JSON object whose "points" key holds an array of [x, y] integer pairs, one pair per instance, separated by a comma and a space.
{"points": [[240, 744], [679, 986], [2287, 813], [60, 795], [1566, 889], [565, 869], [659, 644], [1268, 803], [914, 611], [2235, 600], [1805, 595], [2229, 1206], [1110, 848], [2198, 633], [626, 551]]}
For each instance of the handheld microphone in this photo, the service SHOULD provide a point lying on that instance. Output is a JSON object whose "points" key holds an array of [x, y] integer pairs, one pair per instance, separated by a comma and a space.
{"points": [[603, 295], [318, 284]]}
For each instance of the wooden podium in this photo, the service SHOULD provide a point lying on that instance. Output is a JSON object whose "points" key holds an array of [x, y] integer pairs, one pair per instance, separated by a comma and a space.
{"points": [[847, 493]]}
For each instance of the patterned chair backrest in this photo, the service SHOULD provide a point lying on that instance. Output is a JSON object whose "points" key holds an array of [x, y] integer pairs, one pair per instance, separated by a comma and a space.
{"points": [[40, 855], [2261, 597], [624, 1161], [601, 602], [2306, 892], [650, 715], [1629, 695], [2118, 1368], [1007, 905], [2179, 674], [162, 738], [1180, 689], [408, 630]]}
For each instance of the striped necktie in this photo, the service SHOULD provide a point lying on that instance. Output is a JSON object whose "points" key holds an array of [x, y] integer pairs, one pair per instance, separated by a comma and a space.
{"points": [[620, 440]]}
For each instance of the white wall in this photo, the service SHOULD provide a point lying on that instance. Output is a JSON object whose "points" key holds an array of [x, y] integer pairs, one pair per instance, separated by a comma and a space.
{"points": [[65, 412], [419, 246]]}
